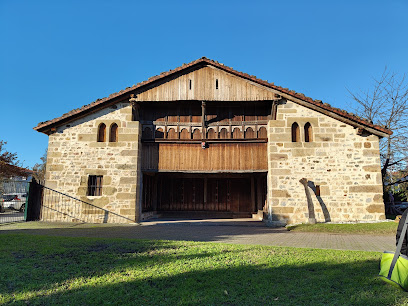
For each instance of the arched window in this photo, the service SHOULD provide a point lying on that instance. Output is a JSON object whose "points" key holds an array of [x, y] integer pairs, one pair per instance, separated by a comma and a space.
{"points": [[197, 134], [237, 134], [159, 133], [211, 134], [185, 134], [102, 132], [224, 134], [249, 133], [262, 133], [113, 134], [308, 132], [147, 133], [295, 132], [172, 134]]}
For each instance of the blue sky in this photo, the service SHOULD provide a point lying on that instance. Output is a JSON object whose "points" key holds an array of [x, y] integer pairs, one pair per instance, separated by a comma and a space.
{"points": [[59, 55]]}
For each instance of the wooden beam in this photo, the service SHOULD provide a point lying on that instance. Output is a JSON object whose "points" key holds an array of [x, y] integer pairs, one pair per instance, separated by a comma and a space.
{"points": [[203, 129], [227, 171]]}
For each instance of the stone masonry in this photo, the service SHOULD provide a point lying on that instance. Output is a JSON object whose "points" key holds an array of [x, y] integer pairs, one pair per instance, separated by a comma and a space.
{"points": [[344, 165], [74, 154]]}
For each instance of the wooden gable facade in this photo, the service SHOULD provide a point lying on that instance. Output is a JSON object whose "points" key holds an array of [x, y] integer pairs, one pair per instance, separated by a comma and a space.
{"points": [[204, 143]]}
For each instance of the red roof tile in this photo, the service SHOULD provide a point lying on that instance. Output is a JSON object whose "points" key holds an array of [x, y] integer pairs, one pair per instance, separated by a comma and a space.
{"points": [[99, 103]]}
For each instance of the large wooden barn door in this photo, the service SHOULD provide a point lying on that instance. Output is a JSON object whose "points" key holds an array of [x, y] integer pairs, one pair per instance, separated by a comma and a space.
{"points": [[169, 192]]}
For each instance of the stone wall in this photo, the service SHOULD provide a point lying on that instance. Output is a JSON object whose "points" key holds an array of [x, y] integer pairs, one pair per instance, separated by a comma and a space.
{"points": [[344, 165], [74, 154]]}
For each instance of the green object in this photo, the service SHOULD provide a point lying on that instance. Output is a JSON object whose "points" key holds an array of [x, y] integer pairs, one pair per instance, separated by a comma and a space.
{"points": [[394, 266], [26, 203]]}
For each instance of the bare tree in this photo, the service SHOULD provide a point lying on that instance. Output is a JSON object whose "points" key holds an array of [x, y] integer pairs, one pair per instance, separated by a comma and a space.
{"points": [[386, 104]]}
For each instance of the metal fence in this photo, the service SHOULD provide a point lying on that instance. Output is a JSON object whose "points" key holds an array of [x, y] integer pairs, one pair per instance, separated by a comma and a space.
{"points": [[13, 198], [59, 207], [31, 201]]}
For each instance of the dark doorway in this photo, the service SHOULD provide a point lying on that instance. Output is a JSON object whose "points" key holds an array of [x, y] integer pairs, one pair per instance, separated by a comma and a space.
{"points": [[171, 192]]}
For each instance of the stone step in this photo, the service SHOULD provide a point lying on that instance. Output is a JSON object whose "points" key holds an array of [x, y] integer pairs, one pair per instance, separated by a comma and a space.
{"points": [[204, 214], [260, 215]]}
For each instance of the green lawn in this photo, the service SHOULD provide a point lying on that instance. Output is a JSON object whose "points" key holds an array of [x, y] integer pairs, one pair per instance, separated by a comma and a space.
{"points": [[381, 228], [37, 270]]}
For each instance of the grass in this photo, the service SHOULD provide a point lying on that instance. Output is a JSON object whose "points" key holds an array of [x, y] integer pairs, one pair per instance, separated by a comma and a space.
{"points": [[38, 270], [381, 228]]}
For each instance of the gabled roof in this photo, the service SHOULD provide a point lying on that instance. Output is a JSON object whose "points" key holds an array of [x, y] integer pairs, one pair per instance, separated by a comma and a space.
{"points": [[284, 92]]}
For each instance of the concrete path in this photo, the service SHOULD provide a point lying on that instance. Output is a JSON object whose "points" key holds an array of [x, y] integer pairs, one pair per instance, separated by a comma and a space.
{"points": [[255, 232], [238, 231]]}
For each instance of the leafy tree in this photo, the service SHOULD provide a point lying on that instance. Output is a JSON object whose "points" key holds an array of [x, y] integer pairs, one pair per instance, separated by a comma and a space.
{"points": [[9, 164]]}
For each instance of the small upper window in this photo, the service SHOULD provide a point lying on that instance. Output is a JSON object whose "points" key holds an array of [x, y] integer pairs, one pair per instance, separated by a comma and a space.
{"points": [[113, 135], [216, 83], [95, 185], [102, 132], [295, 132], [308, 132]]}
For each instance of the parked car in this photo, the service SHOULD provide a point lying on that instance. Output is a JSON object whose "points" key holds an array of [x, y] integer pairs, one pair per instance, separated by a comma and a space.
{"points": [[14, 201]]}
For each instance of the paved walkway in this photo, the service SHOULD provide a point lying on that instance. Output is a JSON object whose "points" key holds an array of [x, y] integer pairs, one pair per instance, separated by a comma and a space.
{"points": [[237, 231]]}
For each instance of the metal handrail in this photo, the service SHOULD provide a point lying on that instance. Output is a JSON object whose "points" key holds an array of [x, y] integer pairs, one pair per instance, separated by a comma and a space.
{"points": [[102, 210]]}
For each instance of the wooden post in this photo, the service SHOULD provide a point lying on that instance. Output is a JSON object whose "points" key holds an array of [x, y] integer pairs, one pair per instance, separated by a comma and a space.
{"points": [[135, 107], [204, 132], [274, 108], [310, 207]]}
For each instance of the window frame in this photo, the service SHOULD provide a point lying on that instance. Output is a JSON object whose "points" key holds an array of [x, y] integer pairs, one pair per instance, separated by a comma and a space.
{"points": [[295, 129], [101, 136], [113, 132], [94, 186], [308, 132]]}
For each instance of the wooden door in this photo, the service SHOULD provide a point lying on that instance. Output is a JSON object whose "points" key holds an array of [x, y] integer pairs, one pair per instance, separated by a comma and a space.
{"points": [[212, 195], [147, 199], [240, 193], [187, 194], [198, 194]]}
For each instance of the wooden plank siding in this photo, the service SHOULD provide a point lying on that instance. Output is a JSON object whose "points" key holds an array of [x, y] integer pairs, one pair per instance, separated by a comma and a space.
{"points": [[192, 158], [203, 87]]}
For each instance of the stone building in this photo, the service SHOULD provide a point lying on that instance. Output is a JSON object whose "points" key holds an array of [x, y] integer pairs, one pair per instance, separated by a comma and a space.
{"points": [[206, 139]]}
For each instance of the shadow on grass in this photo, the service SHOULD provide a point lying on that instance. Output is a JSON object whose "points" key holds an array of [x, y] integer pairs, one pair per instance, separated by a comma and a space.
{"points": [[98, 271]]}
